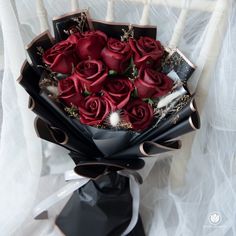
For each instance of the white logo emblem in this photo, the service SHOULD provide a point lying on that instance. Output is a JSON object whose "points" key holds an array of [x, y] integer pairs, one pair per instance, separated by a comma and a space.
{"points": [[214, 218]]}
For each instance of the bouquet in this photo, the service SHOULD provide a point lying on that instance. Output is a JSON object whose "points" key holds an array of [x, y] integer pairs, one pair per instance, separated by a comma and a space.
{"points": [[112, 95]]}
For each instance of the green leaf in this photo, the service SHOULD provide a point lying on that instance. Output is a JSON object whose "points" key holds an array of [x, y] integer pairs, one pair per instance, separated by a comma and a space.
{"points": [[112, 73], [149, 101], [135, 72], [127, 72], [86, 93], [134, 94], [132, 61]]}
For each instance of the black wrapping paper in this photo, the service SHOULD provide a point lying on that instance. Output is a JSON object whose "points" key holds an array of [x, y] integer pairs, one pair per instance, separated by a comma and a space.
{"points": [[35, 49], [177, 61], [67, 24], [116, 30], [102, 207]]}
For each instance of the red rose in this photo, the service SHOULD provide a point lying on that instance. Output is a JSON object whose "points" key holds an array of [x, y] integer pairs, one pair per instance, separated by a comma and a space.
{"points": [[61, 57], [70, 91], [88, 44], [94, 110], [118, 91], [146, 50], [152, 84], [139, 114], [117, 55], [73, 38], [92, 74]]}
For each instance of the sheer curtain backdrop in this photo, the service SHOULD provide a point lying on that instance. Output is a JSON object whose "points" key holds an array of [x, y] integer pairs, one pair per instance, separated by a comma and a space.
{"points": [[188, 193]]}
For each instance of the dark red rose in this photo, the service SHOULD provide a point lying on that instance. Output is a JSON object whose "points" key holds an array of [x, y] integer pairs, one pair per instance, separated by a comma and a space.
{"points": [[89, 44], [117, 55], [152, 84], [94, 110], [139, 114], [70, 91], [61, 57], [146, 50], [118, 91], [92, 74], [73, 38]]}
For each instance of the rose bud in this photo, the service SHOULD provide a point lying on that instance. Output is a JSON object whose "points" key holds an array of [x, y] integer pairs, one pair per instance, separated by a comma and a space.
{"points": [[118, 91], [61, 57], [146, 51], [94, 110], [89, 44], [139, 114], [70, 91], [152, 84], [117, 55], [92, 74]]}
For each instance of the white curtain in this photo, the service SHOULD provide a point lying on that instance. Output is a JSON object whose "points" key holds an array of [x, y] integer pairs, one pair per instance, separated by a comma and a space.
{"points": [[190, 192]]}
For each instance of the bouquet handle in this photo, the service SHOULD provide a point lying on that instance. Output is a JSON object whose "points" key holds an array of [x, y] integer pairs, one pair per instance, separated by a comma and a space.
{"points": [[75, 182]]}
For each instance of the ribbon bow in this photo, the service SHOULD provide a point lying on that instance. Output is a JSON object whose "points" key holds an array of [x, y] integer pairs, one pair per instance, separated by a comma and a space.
{"points": [[75, 182]]}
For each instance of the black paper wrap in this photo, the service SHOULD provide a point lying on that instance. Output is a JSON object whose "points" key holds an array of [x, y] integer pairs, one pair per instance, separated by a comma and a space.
{"points": [[176, 60], [67, 24], [102, 207], [116, 30], [41, 43]]}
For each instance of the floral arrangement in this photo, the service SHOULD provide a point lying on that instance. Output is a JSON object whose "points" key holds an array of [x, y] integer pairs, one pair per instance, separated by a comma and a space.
{"points": [[112, 95], [102, 75]]}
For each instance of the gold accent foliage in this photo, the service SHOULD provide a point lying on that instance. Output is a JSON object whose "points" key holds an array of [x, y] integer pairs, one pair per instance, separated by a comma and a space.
{"points": [[49, 84], [40, 50], [177, 84], [72, 30], [171, 109], [81, 21], [183, 101], [72, 111], [125, 125], [127, 34], [45, 82], [101, 126]]}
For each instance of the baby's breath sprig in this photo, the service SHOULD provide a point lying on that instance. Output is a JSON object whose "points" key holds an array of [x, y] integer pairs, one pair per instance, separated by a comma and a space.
{"points": [[177, 85], [127, 34], [81, 21], [72, 111], [183, 101], [135, 71], [125, 125], [47, 81], [101, 126], [40, 50]]}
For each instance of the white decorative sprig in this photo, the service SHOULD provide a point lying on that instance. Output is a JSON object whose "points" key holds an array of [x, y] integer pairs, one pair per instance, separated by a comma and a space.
{"points": [[114, 119]]}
